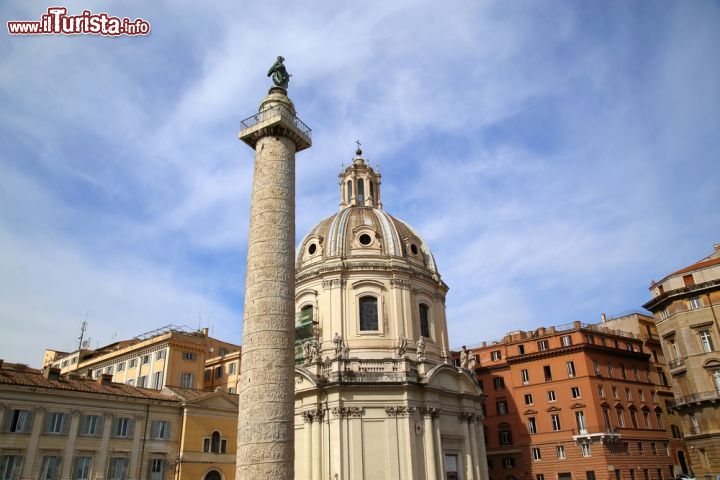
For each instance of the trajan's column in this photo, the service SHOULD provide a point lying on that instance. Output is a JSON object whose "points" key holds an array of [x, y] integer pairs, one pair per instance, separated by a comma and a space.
{"points": [[266, 387]]}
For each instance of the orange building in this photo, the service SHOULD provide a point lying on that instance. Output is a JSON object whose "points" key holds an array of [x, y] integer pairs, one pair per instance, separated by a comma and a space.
{"points": [[575, 401]]}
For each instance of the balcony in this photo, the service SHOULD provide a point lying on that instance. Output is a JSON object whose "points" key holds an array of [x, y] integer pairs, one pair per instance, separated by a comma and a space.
{"points": [[596, 434], [676, 364], [697, 398]]}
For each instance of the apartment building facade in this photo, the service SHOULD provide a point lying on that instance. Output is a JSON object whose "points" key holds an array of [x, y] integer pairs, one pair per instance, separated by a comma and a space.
{"points": [[573, 402], [70, 427], [686, 308], [168, 356]]}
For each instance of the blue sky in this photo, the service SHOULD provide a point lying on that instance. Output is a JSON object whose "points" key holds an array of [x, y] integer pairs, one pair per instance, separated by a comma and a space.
{"points": [[556, 156]]}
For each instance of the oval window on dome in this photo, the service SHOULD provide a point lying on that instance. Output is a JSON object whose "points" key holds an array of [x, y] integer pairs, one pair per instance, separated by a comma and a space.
{"points": [[413, 249], [312, 249], [365, 239]]}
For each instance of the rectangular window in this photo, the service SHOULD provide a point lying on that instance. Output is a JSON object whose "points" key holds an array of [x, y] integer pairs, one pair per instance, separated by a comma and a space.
{"points": [[706, 341], [694, 303], [570, 369], [664, 314], [90, 425], [10, 466], [81, 468], [585, 448], [620, 417], [190, 356], [539, 476], [133, 363], [575, 392], [187, 380], [505, 437], [157, 468], [646, 418], [628, 394], [142, 381], [536, 454], [590, 475], [131, 382], [123, 427], [508, 462], [157, 380], [118, 468], [542, 345], [601, 391], [560, 452], [19, 421], [525, 376], [641, 394], [636, 373], [120, 368], [207, 375], [495, 355], [532, 425], [109, 370], [528, 399], [548, 373], [145, 359], [658, 417], [50, 468], [596, 368], [160, 354], [551, 396], [218, 372], [566, 340], [611, 370], [623, 373], [56, 422], [501, 407], [368, 314], [231, 368], [615, 393], [555, 420], [521, 349], [160, 430], [688, 280], [641, 448], [498, 383]]}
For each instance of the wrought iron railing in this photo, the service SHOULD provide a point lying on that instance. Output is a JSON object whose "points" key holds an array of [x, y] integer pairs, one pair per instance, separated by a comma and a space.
{"points": [[277, 110], [676, 363]]}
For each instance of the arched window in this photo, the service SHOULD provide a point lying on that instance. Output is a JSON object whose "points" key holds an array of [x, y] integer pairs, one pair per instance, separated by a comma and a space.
{"points": [[424, 320], [306, 314], [368, 314], [215, 442], [372, 190], [361, 191], [213, 475], [349, 191]]}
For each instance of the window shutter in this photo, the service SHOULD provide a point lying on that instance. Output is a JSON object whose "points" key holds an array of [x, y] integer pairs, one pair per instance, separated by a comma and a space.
{"points": [[100, 425], [81, 425], [66, 423], [166, 436], [131, 427], [124, 466], [8, 420], [27, 424], [48, 420], [155, 429], [17, 467]]}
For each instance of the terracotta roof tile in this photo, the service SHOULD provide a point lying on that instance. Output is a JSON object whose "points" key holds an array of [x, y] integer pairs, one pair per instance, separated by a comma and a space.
{"points": [[15, 374], [697, 266]]}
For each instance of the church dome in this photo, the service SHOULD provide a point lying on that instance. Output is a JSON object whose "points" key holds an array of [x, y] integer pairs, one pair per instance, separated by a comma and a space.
{"points": [[363, 231]]}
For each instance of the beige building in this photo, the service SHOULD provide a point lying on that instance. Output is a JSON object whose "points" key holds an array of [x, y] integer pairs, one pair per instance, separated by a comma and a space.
{"points": [[685, 306], [60, 427], [168, 356], [376, 395]]}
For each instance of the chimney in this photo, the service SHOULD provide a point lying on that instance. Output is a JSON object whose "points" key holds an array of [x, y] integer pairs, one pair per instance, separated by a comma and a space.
{"points": [[51, 373], [205, 331], [577, 324], [1, 362], [603, 317], [104, 379], [717, 248]]}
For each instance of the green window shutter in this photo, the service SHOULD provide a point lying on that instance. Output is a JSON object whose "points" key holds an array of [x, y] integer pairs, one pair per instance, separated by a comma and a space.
{"points": [[66, 423]]}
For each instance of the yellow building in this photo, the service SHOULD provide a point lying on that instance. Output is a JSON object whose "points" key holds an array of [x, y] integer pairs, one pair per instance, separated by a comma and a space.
{"points": [[170, 355], [222, 371], [70, 427]]}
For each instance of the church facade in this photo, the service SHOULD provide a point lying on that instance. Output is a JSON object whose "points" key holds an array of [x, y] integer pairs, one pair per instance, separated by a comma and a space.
{"points": [[376, 395]]}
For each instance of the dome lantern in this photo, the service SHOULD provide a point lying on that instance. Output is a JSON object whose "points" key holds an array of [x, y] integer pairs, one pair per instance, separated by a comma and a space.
{"points": [[359, 184]]}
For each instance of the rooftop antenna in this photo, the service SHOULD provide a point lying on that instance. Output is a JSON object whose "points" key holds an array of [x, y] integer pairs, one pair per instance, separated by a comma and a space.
{"points": [[83, 327]]}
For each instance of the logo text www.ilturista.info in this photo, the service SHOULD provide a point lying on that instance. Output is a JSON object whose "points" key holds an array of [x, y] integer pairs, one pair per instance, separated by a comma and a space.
{"points": [[57, 22]]}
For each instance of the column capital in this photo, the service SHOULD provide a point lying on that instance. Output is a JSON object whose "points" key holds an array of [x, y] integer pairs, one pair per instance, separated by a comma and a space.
{"points": [[400, 411], [431, 412], [344, 412]]}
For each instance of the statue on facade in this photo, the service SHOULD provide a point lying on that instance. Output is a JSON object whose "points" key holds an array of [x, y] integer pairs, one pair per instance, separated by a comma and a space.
{"points": [[338, 342], [279, 74], [472, 363], [463, 357], [401, 346], [420, 349], [312, 350]]}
